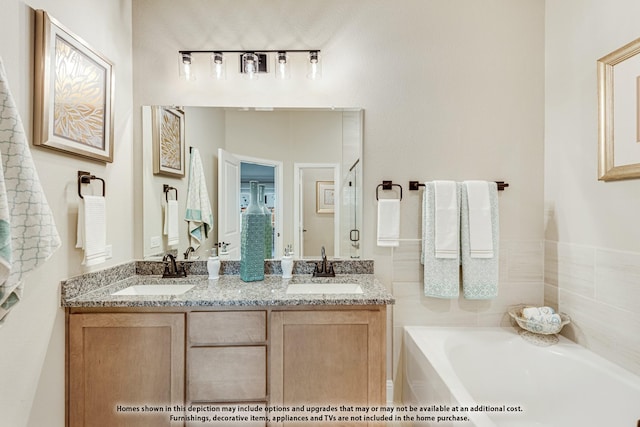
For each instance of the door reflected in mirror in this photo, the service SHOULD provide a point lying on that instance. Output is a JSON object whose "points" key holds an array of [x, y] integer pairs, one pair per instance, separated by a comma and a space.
{"points": [[272, 141]]}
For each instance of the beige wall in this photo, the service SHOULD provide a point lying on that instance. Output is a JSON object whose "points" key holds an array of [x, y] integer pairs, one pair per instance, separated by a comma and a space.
{"points": [[450, 90], [592, 250], [32, 338]]}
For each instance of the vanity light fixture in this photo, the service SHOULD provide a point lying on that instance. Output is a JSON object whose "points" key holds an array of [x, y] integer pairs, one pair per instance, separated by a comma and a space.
{"points": [[218, 70], [282, 65], [252, 63], [185, 69], [249, 65], [315, 67]]}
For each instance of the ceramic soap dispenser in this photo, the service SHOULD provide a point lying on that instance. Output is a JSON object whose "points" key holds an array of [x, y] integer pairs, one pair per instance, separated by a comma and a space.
{"points": [[213, 264], [287, 263]]}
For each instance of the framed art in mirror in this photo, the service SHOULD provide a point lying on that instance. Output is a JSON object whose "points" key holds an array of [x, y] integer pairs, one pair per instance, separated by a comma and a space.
{"points": [[73, 93], [619, 113], [325, 197], [168, 141]]}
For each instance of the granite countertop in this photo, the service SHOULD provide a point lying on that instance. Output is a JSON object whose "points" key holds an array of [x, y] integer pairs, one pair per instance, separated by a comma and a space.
{"points": [[96, 289]]}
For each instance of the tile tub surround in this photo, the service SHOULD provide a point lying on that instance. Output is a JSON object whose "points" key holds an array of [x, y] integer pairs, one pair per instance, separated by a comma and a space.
{"points": [[598, 288], [228, 290]]}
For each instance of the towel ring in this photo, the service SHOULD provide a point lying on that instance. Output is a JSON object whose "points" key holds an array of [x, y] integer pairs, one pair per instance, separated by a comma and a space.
{"points": [[85, 178], [388, 185], [166, 188]]}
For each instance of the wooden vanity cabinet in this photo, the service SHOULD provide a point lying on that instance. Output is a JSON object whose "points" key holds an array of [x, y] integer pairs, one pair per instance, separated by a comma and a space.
{"points": [[276, 356], [328, 357], [227, 359], [124, 359]]}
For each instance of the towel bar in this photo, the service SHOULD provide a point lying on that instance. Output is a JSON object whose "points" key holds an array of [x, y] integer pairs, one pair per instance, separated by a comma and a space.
{"points": [[388, 185], [415, 185], [166, 188], [85, 178]]}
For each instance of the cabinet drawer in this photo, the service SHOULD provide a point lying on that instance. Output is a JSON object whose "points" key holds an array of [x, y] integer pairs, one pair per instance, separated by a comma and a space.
{"points": [[227, 373], [227, 327]]}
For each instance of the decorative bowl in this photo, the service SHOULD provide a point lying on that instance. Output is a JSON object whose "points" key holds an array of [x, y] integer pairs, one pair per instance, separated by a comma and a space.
{"points": [[535, 326]]}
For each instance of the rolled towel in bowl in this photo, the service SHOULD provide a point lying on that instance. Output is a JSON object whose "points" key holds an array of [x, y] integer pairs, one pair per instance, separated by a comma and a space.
{"points": [[541, 315], [529, 312]]}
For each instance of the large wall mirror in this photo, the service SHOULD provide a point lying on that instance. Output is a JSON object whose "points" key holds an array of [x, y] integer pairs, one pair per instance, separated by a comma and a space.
{"points": [[309, 160]]}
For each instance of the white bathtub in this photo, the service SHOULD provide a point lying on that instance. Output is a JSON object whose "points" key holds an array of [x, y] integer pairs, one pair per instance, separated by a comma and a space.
{"points": [[562, 385]]}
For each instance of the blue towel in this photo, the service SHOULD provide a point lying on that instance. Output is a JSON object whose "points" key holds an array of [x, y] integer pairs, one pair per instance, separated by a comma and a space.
{"points": [[441, 275], [479, 275], [28, 234]]}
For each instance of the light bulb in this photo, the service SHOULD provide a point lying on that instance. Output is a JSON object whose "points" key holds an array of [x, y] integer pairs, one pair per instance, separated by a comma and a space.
{"points": [[218, 70], [186, 68], [250, 65], [315, 67], [282, 65]]}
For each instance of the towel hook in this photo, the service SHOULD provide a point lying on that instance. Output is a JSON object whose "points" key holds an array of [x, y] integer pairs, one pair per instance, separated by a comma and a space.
{"points": [[388, 185], [166, 188], [85, 178]]}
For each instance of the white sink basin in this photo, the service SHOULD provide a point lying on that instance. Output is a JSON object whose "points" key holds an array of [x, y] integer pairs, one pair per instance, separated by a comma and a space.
{"points": [[324, 288], [172, 289]]}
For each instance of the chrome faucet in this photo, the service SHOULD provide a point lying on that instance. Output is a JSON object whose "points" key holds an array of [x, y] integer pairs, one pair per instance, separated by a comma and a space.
{"points": [[171, 268], [324, 268]]}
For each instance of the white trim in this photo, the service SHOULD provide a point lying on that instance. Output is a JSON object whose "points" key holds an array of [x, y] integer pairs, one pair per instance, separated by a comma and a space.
{"points": [[278, 181], [297, 199]]}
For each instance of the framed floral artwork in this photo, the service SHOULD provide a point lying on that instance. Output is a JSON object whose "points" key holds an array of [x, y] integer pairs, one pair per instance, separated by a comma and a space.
{"points": [[73, 93], [168, 141]]}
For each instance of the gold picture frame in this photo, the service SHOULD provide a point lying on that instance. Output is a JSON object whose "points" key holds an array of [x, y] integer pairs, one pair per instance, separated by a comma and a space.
{"points": [[73, 93], [325, 197], [617, 145], [168, 141]]}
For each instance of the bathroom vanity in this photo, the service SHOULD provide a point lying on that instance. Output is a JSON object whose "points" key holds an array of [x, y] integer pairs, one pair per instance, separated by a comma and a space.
{"points": [[140, 360]]}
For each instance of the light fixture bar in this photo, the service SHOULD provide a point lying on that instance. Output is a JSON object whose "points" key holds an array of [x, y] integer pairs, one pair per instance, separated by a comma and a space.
{"points": [[249, 51], [252, 62]]}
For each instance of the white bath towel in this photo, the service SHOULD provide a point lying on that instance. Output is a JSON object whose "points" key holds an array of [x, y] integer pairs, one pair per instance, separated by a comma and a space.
{"points": [[198, 213], [92, 229], [388, 222], [542, 315], [447, 220], [28, 234], [479, 274], [480, 226], [171, 222], [441, 275]]}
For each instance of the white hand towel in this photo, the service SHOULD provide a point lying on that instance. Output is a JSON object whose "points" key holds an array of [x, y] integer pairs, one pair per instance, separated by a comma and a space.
{"points": [[28, 234], [198, 215], [171, 222], [388, 222], [480, 228], [92, 230], [479, 274], [447, 220]]}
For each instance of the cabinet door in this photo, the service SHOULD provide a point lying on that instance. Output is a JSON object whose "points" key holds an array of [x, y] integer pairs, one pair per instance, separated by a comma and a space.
{"points": [[328, 357], [123, 361]]}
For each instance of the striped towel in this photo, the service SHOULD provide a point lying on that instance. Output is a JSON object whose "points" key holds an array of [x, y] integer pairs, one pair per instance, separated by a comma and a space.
{"points": [[28, 234]]}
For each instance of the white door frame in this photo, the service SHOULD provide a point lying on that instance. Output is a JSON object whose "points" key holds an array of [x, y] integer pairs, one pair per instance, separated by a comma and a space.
{"points": [[297, 205], [277, 170]]}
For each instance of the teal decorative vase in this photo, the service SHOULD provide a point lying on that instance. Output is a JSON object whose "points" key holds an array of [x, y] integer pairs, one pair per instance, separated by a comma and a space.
{"points": [[268, 233], [252, 239]]}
